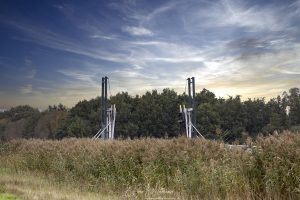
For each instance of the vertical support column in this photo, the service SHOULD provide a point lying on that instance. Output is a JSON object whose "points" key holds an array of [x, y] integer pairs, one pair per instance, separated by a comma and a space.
{"points": [[105, 107], [109, 122], [194, 103], [190, 111], [113, 121], [186, 121], [108, 115], [190, 124], [103, 119], [189, 93]]}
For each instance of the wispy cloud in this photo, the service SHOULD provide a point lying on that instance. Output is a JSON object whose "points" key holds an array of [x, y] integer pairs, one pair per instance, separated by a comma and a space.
{"points": [[230, 13], [137, 31], [30, 70], [231, 47], [104, 37], [26, 89], [53, 40], [129, 73], [28, 62], [88, 23], [30, 74], [78, 75]]}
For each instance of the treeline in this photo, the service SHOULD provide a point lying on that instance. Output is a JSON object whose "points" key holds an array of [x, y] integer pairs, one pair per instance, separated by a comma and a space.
{"points": [[156, 115]]}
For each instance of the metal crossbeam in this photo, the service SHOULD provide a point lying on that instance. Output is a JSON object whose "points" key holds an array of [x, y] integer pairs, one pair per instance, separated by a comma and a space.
{"points": [[98, 134]]}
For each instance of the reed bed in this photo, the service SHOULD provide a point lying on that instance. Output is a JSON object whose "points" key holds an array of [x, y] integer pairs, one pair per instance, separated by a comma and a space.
{"points": [[268, 168]]}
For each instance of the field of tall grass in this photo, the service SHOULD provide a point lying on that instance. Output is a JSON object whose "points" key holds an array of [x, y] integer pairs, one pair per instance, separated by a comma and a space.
{"points": [[165, 168]]}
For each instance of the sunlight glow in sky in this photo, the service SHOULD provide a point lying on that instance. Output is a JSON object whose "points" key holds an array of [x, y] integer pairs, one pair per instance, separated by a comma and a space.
{"points": [[57, 51]]}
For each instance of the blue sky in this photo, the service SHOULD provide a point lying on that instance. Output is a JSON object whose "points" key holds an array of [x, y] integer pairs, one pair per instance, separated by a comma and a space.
{"points": [[57, 51]]}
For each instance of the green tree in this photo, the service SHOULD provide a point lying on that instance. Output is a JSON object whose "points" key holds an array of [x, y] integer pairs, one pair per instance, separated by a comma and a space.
{"points": [[30, 124], [256, 116], [126, 118], [232, 118], [275, 124], [79, 128], [89, 112], [277, 118], [150, 114], [207, 115], [293, 100], [208, 120], [20, 112], [2, 129], [206, 96], [170, 109]]}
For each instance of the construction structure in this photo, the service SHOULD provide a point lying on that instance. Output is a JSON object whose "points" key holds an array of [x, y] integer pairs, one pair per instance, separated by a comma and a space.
{"points": [[108, 115], [188, 112]]}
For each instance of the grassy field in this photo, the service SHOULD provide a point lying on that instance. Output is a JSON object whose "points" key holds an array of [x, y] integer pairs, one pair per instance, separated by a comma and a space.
{"points": [[31, 185], [6, 196], [153, 168]]}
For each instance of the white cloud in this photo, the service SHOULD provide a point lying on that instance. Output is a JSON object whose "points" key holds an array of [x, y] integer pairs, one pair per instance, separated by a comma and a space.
{"points": [[223, 48], [28, 61], [104, 37], [290, 72], [261, 75], [78, 75], [158, 11], [130, 73], [26, 89], [31, 73], [143, 52], [137, 31], [53, 40], [238, 14]]}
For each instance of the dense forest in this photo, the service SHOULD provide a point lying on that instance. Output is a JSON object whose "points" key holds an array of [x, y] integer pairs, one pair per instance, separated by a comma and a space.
{"points": [[156, 115]]}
